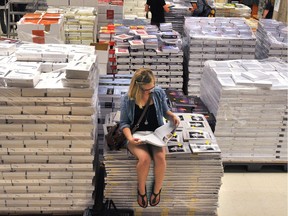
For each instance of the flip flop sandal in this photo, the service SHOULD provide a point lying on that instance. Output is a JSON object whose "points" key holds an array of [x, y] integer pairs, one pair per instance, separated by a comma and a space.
{"points": [[153, 202], [143, 203]]}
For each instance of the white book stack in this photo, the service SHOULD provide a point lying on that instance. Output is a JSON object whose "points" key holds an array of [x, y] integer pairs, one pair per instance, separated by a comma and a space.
{"points": [[7, 49], [192, 180], [109, 12], [80, 23], [47, 143], [134, 8], [136, 44], [214, 39], [272, 40], [251, 115]]}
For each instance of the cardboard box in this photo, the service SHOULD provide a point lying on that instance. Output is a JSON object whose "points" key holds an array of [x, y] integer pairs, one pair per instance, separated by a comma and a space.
{"points": [[102, 51]]}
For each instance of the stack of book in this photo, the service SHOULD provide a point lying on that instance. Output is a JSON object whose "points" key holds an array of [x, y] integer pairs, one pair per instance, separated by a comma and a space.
{"points": [[163, 58], [271, 40], [177, 14], [249, 101], [80, 23], [111, 89], [48, 139], [232, 10], [214, 39], [166, 27], [192, 153], [181, 103]]}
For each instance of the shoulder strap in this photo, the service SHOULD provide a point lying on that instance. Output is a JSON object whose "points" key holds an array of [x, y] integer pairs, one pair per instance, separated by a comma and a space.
{"points": [[142, 115], [204, 2]]}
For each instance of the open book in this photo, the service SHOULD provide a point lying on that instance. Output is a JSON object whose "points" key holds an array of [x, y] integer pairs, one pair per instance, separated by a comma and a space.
{"points": [[159, 137]]}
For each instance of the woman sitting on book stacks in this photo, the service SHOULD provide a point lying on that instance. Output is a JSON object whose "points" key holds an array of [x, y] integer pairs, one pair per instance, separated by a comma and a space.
{"points": [[142, 91]]}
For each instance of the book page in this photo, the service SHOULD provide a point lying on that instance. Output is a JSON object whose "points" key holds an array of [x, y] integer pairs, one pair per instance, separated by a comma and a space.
{"points": [[159, 137]]}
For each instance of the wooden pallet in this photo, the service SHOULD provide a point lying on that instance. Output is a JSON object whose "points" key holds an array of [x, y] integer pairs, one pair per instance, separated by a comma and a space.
{"points": [[255, 167]]}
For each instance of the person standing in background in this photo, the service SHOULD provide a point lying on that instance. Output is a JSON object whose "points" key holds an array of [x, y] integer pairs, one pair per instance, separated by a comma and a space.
{"points": [[268, 10], [247, 3], [3, 17], [157, 8]]}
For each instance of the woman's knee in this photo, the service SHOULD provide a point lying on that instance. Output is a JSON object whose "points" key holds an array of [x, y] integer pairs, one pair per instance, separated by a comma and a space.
{"points": [[144, 160], [160, 159]]}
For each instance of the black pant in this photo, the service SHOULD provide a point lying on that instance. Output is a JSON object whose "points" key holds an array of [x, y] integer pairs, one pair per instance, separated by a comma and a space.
{"points": [[3, 18]]}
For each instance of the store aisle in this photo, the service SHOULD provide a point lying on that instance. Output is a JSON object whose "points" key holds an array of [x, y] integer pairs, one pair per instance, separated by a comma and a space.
{"points": [[254, 194]]}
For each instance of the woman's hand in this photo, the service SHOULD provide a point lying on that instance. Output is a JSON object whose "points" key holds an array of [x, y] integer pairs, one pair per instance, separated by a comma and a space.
{"points": [[135, 141], [175, 120]]}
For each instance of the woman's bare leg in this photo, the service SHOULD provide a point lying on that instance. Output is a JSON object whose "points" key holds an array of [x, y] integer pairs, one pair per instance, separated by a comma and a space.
{"points": [[143, 165], [159, 169]]}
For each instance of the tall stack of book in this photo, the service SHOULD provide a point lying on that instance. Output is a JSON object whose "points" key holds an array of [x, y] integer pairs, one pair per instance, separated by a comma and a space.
{"points": [[249, 101], [193, 174], [48, 131], [158, 51], [214, 39], [80, 24], [272, 40]]}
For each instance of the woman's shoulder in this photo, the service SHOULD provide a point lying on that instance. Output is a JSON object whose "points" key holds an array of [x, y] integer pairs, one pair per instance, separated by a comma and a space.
{"points": [[159, 91]]}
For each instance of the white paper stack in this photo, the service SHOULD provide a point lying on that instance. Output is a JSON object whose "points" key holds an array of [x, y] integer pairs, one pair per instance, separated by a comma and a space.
{"points": [[47, 143], [272, 38], [192, 180], [214, 39], [251, 115]]}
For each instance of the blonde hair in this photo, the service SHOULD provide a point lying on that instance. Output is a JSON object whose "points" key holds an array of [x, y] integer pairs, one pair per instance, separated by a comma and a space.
{"points": [[142, 76]]}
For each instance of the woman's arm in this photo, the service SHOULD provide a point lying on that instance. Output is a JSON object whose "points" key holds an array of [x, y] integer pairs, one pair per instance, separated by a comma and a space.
{"points": [[173, 118], [147, 8], [265, 12], [166, 8]]}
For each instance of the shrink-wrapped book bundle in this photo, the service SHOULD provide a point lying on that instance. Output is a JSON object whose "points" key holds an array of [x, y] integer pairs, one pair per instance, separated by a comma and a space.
{"points": [[214, 39], [272, 40], [193, 175], [249, 101], [48, 132]]}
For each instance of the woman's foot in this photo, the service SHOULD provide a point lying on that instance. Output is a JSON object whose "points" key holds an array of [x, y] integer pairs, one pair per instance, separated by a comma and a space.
{"points": [[142, 199], [155, 198]]}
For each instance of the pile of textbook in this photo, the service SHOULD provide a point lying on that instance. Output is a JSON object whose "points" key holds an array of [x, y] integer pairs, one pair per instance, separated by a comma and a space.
{"points": [[249, 101], [272, 40], [193, 175], [150, 48], [47, 129], [214, 39]]}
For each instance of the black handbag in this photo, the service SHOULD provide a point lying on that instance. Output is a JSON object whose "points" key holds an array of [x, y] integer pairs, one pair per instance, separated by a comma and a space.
{"points": [[115, 138]]}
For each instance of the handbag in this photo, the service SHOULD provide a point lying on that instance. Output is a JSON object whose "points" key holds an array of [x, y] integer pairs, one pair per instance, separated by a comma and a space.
{"points": [[115, 138]]}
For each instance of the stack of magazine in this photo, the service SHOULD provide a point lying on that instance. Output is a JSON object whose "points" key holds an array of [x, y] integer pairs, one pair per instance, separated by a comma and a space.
{"points": [[249, 101], [193, 175]]}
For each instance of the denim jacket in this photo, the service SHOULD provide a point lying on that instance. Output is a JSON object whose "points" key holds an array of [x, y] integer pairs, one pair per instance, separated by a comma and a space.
{"points": [[128, 108]]}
